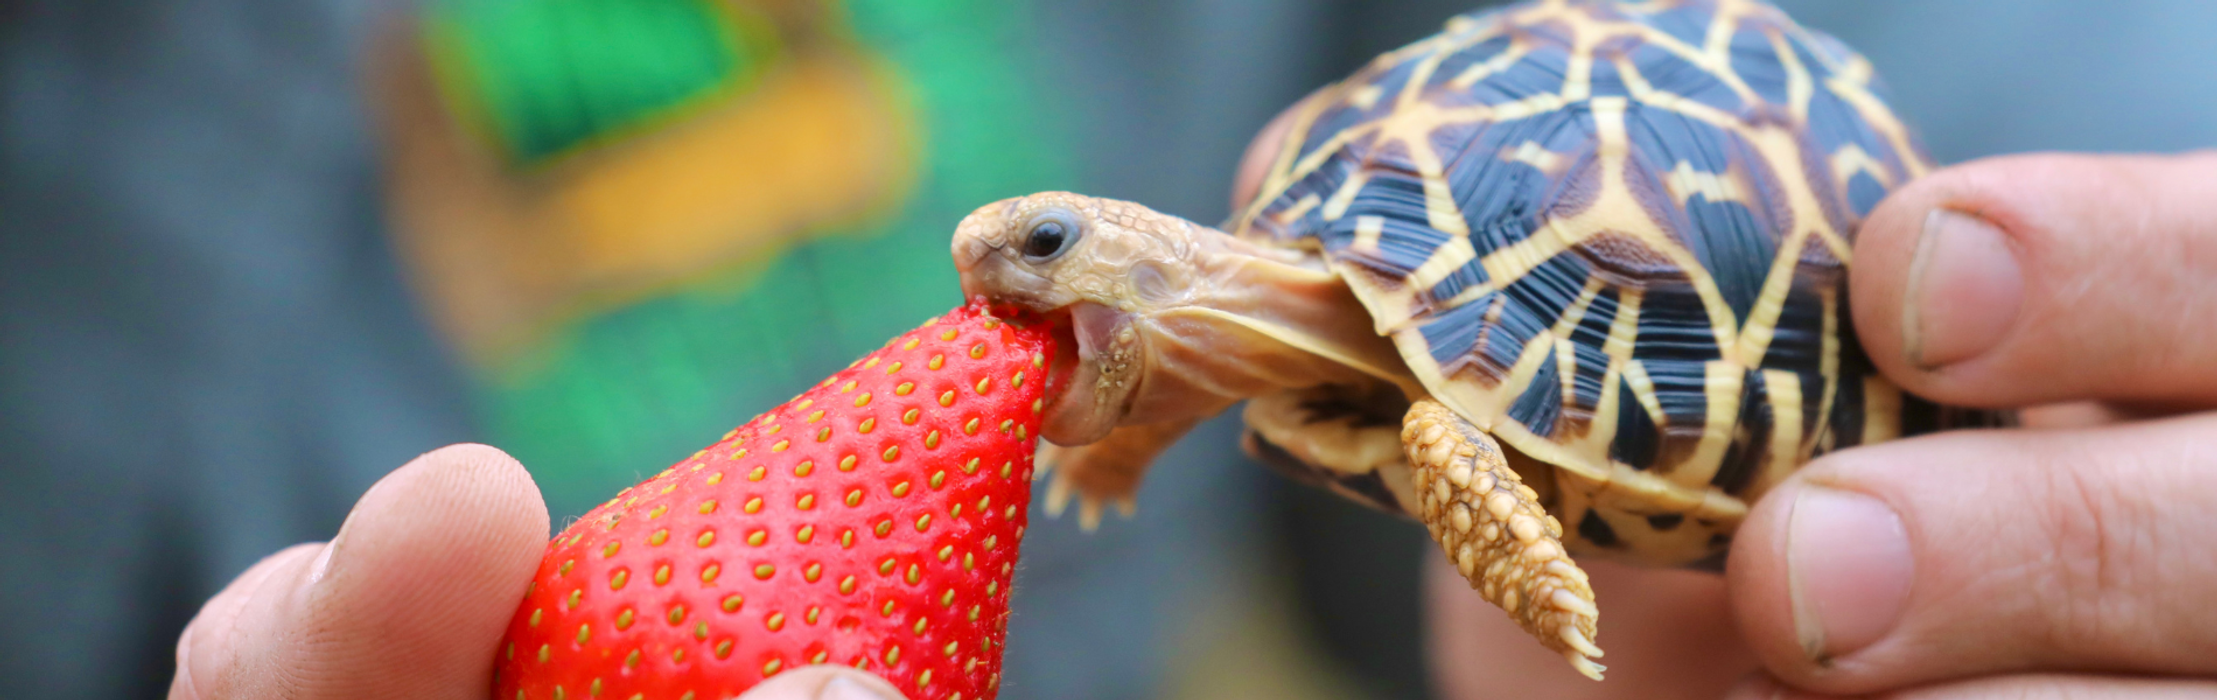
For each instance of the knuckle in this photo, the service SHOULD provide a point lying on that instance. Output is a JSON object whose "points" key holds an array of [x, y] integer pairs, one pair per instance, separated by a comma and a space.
{"points": [[2099, 528]]}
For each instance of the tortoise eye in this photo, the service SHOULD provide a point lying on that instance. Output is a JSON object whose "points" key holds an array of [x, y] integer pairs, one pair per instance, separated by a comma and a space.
{"points": [[1051, 235]]}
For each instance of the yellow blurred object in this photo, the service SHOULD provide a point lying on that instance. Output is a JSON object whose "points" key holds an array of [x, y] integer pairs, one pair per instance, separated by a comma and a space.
{"points": [[819, 142], [822, 140]]}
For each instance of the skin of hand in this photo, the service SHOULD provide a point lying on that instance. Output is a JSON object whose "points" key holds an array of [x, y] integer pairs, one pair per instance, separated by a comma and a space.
{"points": [[409, 600], [2074, 557]]}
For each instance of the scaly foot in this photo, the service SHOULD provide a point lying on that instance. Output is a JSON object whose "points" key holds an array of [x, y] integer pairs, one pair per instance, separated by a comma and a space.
{"points": [[1493, 528]]}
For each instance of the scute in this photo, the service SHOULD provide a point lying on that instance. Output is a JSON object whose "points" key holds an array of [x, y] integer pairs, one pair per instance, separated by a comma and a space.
{"points": [[1614, 236]]}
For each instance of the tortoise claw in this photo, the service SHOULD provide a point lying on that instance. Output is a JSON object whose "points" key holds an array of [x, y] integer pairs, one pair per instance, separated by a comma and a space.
{"points": [[1061, 490], [1047, 457], [1583, 665], [1058, 495], [1104, 473], [1089, 513]]}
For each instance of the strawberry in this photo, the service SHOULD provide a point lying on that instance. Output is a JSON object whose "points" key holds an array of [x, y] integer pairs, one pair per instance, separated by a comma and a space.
{"points": [[872, 521]]}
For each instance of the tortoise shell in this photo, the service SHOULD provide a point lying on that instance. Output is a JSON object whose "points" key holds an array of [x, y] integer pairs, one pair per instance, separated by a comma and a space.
{"points": [[1615, 236]]}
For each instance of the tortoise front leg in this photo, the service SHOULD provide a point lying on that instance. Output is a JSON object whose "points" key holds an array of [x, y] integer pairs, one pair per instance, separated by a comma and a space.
{"points": [[1494, 529], [1107, 470]]}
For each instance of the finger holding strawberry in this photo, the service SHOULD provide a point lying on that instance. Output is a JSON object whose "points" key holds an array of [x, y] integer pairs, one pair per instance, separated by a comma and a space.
{"points": [[871, 523]]}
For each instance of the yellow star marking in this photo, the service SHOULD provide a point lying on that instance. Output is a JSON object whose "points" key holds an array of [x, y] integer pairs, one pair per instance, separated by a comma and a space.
{"points": [[1280, 174], [1643, 389], [1483, 69], [1783, 152], [1469, 294], [1365, 97], [1714, 56], [1459, 24], [1415, 131], [1578, 71], [1724, 383], [1779, 147], [1602, 429], [1828, 364], [1324, 152], [1337, 205], [1298, 210], [1881, 410], [1645, 93], [1533, 154], [1684, 182], [1625, 327], [1798, 88], [1566, 352], [1566, 373], [1875, 114], [1450, 256], [1520, 374], [1576, 312], [1615, 211], [1786, 451], [1412, 126], [1367, 230], [1852, 159], [1762, 318], [1850, 80]]}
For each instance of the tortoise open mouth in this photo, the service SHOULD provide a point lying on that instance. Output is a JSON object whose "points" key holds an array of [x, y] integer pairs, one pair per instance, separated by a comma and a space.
{"points": [[1083, 405]]}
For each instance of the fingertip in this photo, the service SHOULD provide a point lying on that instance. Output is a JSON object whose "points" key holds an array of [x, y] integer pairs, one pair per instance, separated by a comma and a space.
{"points": [[418, 586], [482, 464], [1756, 573], [465, 485], [504, 485], [448, 539], [1971, 552], [468, 511], [824, 682], [1991, 283], [1894, 246]]}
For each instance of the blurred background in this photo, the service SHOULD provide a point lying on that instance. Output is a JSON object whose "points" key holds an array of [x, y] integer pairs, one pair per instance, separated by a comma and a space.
{"points": [[256, 253]]}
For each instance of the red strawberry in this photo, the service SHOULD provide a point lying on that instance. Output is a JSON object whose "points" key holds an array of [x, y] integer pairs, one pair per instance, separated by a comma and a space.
{"points": [[872, 521]]}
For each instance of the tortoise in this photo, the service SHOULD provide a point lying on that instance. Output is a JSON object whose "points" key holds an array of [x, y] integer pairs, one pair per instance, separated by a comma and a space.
{"points": [[1567, 277]]}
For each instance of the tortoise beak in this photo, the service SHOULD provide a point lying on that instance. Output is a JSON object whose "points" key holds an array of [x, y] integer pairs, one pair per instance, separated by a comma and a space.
{"points": [[986, 267]]}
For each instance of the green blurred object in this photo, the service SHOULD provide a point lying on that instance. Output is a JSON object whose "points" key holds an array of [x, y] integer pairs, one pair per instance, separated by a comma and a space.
{"points": [[540, 77], [619, 395]]}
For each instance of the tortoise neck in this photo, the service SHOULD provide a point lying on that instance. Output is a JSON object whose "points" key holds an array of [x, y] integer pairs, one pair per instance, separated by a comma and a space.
{"points": [[1255, 319]]}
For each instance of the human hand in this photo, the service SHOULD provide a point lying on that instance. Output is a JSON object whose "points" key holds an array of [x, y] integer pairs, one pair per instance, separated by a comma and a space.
{"points": [[409, 600], [2074, 558]]}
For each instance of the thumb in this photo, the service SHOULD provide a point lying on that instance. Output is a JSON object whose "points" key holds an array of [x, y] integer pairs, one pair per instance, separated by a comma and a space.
{"points": [[409, 600], [2031, 279]]}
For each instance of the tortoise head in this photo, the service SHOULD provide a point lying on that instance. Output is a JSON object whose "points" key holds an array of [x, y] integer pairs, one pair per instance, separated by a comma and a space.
{"points": [[1161, 319], [1097, 268]]}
